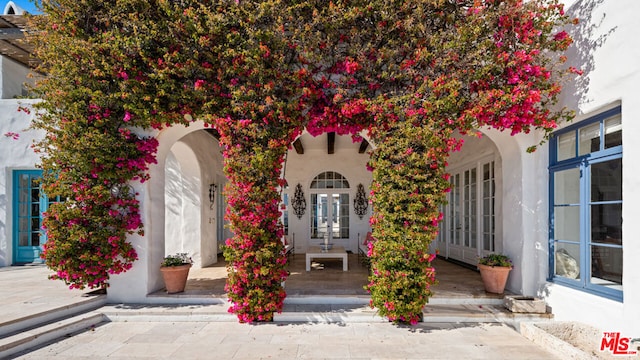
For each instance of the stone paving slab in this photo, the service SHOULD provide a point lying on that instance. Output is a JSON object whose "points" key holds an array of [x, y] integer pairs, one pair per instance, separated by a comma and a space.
{"points": [[218, 340], [26, 291]]}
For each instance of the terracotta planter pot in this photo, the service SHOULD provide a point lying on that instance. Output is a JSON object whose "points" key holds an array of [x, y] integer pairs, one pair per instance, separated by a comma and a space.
{"points": [[494, 278], [175, 277]]}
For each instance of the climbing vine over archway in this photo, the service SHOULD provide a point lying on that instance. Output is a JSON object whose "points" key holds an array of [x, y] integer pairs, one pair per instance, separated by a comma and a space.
{"points": [[260, 72]]}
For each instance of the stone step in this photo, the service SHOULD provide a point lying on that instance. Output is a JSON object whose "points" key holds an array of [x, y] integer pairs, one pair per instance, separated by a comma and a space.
{"points": [[16, 325], [433, 313], [168, 313], [40, 335], [470, 313], [321, 313], [194, 298]]}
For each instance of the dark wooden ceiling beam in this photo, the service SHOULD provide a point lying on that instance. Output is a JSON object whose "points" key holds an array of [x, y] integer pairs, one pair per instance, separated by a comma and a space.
{"points": [[331, 142], [363, 146], [298, 146]]}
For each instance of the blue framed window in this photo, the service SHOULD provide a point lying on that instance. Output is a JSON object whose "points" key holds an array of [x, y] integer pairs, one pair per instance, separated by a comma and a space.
{"points": [[585, 242]]}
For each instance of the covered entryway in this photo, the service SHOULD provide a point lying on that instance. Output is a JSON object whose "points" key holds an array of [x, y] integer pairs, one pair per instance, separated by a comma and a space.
{"points": [[328, 169], [455, 283], [468, 229], [190, 191]]}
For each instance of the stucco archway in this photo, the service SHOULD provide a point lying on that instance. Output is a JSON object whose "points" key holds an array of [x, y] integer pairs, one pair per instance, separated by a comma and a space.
{"points": [[524, 197], [189, 161]]}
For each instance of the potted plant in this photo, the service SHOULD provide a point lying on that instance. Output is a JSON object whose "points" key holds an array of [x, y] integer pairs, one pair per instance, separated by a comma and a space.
{"points": [[175, 270], [494, 270]]}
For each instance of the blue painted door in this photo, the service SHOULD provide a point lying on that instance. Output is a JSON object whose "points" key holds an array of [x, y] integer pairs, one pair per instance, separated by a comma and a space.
{"points": [[28, 205]]}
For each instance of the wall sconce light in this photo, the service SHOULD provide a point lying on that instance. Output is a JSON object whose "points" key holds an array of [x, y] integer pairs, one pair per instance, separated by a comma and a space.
{"points": [[212, 193]]}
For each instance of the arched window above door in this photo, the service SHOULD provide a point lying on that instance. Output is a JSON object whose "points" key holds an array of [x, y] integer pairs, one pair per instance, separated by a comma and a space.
{"points": [[330, 180]]}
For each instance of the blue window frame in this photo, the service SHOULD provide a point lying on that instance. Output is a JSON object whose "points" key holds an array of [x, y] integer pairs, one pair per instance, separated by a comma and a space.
{"points": [[585, 242]]}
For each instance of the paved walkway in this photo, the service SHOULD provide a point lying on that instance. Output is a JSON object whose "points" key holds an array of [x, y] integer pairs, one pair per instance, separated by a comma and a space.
{"points": [[219, 340], [26, 290]]}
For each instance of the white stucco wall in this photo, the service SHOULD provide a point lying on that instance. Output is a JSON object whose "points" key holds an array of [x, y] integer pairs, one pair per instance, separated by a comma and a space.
{"points": [[14, 154], [607, 48], [524, 210], [12, 8]]}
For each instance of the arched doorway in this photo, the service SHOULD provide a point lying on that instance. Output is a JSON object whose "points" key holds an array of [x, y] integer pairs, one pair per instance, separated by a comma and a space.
{"points": [[469, 228], [191, 172], [330, 208]]}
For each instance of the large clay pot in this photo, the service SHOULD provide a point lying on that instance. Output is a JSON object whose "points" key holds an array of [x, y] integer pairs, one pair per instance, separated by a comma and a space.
{"points": [[175, 277], [494, 278]]}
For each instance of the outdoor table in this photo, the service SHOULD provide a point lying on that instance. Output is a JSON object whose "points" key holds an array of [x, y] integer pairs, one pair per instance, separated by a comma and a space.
{"points": [[337, 252]]}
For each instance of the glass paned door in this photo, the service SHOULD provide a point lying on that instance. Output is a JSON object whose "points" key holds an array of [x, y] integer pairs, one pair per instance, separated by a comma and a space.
{"points": [[329, 216], [566, 222], [606, 223], [488, 207], [470, 209], [470, 214], [28, 206]]}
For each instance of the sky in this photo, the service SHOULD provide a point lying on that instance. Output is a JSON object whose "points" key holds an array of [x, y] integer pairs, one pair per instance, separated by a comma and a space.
{"points": [[25, 4]]}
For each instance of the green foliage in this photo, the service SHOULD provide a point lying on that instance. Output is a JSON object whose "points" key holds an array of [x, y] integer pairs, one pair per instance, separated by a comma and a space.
{"points": [[177, 259], [409, 186], [496, 260]]}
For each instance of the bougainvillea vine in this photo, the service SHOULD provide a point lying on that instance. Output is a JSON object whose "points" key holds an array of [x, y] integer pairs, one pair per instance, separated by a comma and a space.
{"points": [[411, 73]]}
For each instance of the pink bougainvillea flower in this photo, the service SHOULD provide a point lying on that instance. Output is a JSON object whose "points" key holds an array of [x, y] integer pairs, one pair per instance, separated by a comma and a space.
{"points": [[13, 135], [199, 84]]}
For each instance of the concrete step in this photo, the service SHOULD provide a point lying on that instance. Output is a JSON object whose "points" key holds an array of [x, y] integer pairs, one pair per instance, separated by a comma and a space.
{"points": [[470, 313], [352, 312], [195, 298], [458, 313], [16, 325], [328, 313], [32, 338], [168, 312]]}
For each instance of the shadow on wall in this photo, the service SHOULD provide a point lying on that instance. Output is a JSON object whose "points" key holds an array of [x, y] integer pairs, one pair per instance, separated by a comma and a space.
{"points": [[581, 52]]}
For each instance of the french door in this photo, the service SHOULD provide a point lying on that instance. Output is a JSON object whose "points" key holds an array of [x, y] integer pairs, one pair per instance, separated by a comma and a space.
{"points": [[468, 230], [28, 205], [329, 216]]}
